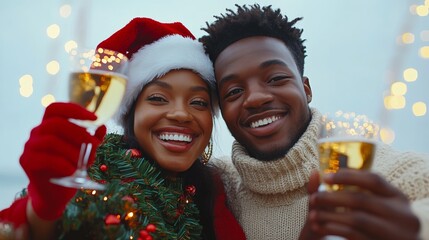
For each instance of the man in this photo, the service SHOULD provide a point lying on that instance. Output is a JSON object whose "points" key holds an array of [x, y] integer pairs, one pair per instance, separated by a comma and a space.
{"points": [[264, 97]]}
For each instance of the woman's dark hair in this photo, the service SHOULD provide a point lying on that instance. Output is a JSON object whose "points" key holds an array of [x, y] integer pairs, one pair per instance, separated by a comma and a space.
{"points": [[199, 175], [254, 21]]}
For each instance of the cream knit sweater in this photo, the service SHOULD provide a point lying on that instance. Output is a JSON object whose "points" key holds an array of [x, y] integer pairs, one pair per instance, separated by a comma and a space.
{"points": [[270, 200]]}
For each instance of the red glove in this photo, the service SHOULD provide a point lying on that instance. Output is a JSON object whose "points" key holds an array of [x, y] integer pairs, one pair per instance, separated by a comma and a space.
{"points": [[52, 151], [16, 213]]}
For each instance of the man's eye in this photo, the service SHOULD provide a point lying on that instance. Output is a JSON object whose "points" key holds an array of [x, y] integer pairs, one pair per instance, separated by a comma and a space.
{"points": [[278, 78], [233, 92]]}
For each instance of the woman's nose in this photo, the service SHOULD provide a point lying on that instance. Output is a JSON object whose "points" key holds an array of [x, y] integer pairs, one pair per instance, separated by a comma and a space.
{"points": [[180, 114]]}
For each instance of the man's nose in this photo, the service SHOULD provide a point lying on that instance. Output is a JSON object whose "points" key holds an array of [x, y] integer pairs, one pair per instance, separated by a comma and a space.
{"points": [[256, 96]]}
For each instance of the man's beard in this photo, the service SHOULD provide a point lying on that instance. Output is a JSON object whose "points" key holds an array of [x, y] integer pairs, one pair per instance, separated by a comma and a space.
{"points": [[272, 155]]}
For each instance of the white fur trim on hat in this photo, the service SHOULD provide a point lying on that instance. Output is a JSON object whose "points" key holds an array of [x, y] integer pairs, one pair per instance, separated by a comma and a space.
{"points": [[158, 58]]}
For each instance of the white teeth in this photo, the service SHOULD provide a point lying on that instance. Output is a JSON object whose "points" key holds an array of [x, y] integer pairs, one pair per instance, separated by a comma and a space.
{"points": [[175, 137], [264, 121]]}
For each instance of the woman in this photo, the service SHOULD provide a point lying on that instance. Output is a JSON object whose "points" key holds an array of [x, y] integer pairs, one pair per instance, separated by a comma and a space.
{"points": [[158, 184]]}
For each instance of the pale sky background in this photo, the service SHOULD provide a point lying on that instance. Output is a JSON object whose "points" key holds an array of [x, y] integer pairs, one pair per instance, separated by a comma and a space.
{"points": [[353, 53]]}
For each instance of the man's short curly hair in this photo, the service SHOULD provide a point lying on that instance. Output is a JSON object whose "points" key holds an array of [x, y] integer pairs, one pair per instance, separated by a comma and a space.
{"points": [[254, 21]]}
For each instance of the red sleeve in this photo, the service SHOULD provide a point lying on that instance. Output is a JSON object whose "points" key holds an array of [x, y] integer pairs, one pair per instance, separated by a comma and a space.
{"points": [[16, 213], [225, 224]]}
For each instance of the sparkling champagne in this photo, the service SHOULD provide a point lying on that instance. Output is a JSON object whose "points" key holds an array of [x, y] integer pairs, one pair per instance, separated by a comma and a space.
{"points": [[336, 153], [100, 92]]}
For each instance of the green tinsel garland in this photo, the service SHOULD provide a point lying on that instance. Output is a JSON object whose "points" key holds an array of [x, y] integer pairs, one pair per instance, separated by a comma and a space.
{"points": [[140, 200]]}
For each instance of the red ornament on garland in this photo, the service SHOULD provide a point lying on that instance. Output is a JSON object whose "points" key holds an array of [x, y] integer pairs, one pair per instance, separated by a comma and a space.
{"points": [[179, 212], [191, 190], [103, 167], [149, 237], [128, 199], [143, 234], [151, 227], [112, 219], [135, 153]]}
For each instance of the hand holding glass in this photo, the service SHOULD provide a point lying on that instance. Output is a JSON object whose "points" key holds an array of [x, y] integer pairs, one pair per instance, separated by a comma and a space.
{"points": [[97, 83]]}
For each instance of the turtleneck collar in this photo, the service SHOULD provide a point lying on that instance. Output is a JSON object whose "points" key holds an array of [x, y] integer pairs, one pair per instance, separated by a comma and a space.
{"points": [[285, 174]]}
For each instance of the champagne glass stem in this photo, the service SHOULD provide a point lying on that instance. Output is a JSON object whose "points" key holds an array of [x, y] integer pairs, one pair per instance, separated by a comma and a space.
{"points": [[80, 177], [86, 157], [81, 153], [81, 172]]}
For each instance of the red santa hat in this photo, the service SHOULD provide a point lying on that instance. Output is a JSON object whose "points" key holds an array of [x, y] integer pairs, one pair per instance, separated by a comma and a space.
{"points": [[154, 49]]}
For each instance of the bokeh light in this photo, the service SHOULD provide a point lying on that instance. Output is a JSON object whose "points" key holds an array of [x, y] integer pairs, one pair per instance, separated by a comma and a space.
{"points": [[424, 52], [422, 10], [394, 102], [65, 10], [68, 46], [410, 74], [26, 85], [387, 135], [26, 80], [26, 91], [53, 67], [53, 31], [47, 99], [419, 109], [398, 88], [407, 38]]}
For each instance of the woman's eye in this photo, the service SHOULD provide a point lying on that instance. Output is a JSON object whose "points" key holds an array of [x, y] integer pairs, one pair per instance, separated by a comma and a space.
{"points": [[156, 98], [200, 103]]}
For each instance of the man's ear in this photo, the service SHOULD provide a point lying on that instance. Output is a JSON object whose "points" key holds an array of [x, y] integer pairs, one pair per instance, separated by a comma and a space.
{"points": [[307, 88]]}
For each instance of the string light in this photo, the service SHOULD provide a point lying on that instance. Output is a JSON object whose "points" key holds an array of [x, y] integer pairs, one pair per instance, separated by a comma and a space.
{"points": [[396, 97]]}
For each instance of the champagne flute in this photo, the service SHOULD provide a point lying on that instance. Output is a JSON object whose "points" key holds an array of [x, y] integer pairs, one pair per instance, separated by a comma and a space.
{"points": [[347, 140], [97, 83]]}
